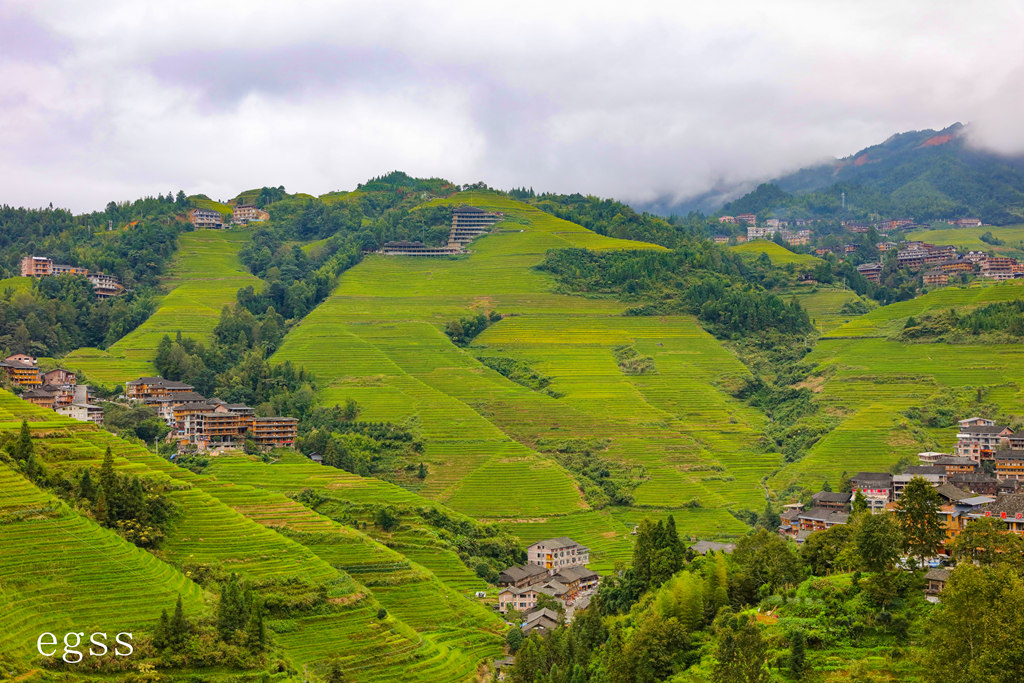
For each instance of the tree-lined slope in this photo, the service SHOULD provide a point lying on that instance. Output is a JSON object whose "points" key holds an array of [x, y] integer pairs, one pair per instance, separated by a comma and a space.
{"points": [[204, 277], [287, 550]]}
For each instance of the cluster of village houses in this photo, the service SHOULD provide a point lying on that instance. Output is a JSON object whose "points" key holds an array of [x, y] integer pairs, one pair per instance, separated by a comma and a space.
{"points": [[209, 423], [962, 479], [243, 214], [939, 262], [56, 389], [942, 261], [103, 286], [197, 421]]}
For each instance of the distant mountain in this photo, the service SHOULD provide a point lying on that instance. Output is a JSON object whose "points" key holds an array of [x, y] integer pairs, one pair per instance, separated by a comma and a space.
{"points": [[924, 174]]}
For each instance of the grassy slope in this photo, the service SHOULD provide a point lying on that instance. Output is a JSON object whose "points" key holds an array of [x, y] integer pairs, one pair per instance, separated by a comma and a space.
{"points": [[247, 531], [872, 379], [62, 572], [824, 305], [15, 284], [204, 277], [779, 255], [384, 324]]}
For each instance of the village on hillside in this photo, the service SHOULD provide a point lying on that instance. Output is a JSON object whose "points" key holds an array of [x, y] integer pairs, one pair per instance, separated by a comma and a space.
{"points": [[196, 422], [981, 478]]}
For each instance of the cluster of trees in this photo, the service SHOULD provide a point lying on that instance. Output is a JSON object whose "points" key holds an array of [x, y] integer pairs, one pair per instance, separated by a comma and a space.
{"points": [[236, 636], [484, 548], [519, 372], [604, 482], [464, 330], [137, 255], [1004, 319], [138, 510], [363, 448], [615, 219], [295, 282], [239, 372], [57, 314], [134, 421], [700, 278]]}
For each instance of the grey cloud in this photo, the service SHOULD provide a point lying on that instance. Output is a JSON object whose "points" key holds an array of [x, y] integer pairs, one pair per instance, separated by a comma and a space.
{"points": [[663, 102]]}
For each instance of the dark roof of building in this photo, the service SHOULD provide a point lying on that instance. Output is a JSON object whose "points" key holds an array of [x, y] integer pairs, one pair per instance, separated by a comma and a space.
{"points": [[277, 419], [705, 547], [873, 476], [517, 573], [469, 209], [831, 497], [954, 460], [545, 623], [540, 613], [570, 574], [937, 574], [184, 396], [40, 392], [924, 469], [16, 364], [559, 542], [1009, 454], [972, 478], [1010, 503], [404, 244], [983, 429], [161, 382], [950, 492], [553, 588], [825, 515], [790, 515]]}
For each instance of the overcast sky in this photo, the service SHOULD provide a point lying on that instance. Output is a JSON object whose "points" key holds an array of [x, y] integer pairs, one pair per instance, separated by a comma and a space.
{"points": [[116, 100]]}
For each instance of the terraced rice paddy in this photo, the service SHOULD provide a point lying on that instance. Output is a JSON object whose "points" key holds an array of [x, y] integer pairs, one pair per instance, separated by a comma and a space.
{"points": [[824, 305], [870, 380], [62, 572], [888, 320], [432, 632], [778, 254], [204, 277], [484, 433]]}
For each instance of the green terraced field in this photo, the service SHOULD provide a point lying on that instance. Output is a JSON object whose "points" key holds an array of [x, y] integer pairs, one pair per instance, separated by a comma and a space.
{"points": [[10, 285], [212, 204], [870, 380], [825, 305], [887, 320], [204, 277], [969, 238], [433, 631], [482, 432], [779, 255], [62, 572]]}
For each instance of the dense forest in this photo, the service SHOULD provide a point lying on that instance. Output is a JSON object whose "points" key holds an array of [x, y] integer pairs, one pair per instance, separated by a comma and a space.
{"points": [[725, 292]]}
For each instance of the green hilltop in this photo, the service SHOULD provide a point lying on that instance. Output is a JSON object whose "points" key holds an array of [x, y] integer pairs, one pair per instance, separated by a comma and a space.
{"points": [[538, 409]]}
